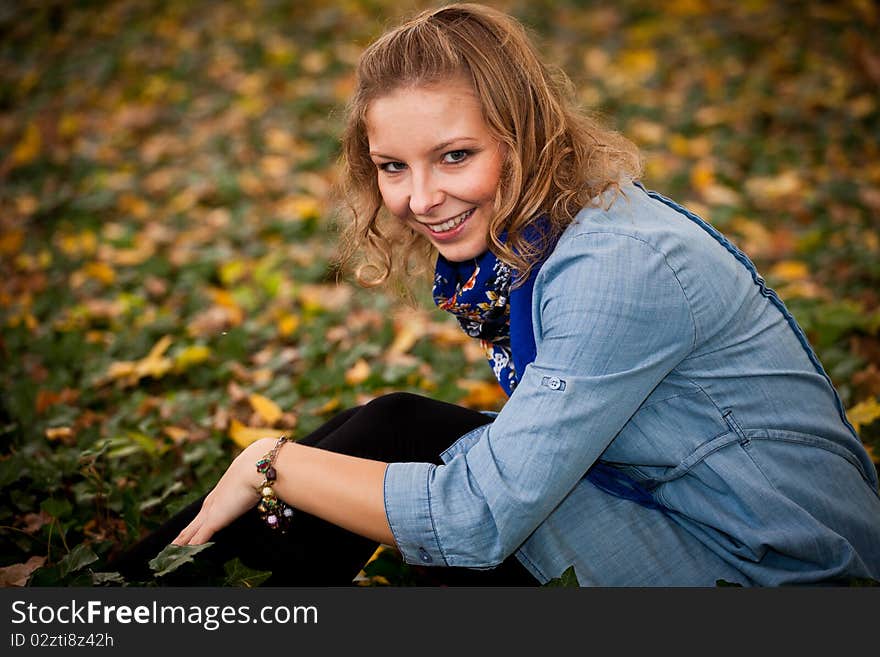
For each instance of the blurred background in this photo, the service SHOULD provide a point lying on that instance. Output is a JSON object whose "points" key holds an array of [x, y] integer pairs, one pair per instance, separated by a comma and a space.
{"points": [[167, 227]]}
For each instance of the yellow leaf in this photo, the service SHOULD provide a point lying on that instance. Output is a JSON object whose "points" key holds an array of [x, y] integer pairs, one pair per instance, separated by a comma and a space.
{"points": [[639, 63], [69, 126], [357, 373], [159, 348], [226, 301], [177, 434], [27, 204], [702, 175], [864, 413], [121, 369], [298, 208], [100, 271], [265, 408], [287, 324], [790, 270], [231, 272], [128, 203], [647, 132], [244, 436], [406, 335], [28, 148], [716, 194], [59, 433], [330, 406], [11, 241], [79, 244], [192, 355], [485, 395], [154, 364], [772, 188]]}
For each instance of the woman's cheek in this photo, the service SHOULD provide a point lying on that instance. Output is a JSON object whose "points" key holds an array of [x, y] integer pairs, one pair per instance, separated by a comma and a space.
{"points": [[392, 201]]}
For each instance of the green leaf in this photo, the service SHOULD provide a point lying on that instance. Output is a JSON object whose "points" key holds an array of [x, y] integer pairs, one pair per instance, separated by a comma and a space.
{"points": [[567, 578], [99, 579], [46, 576], [57, 508], [237, 574], [11, 470], [174, 556], [389, 565], [80, 556]]}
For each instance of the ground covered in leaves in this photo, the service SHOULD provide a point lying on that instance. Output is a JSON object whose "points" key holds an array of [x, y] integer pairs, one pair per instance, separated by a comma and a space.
{"points": [[167, 292]]}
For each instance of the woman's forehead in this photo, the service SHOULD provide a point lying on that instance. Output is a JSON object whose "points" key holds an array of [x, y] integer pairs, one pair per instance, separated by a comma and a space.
{"points": [[427, 112]]}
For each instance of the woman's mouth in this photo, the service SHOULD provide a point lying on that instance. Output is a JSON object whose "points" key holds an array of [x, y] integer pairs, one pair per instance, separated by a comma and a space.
{"points": [[450, 224]]}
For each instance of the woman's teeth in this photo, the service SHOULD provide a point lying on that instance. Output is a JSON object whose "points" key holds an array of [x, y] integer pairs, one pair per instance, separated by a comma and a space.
{"points": [[446, 226]]}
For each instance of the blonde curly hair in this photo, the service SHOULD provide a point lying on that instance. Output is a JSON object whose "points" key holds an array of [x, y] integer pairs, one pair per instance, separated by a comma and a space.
{"points": [[558, 159]]}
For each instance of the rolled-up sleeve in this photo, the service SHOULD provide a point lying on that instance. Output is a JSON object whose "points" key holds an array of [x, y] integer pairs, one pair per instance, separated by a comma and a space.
{"points": [[611, 320]]}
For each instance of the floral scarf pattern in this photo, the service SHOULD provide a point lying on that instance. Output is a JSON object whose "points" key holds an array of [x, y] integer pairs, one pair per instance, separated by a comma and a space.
{"points": [[478, 294]]}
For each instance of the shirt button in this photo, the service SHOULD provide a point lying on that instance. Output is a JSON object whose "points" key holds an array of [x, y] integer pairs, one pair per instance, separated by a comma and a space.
{"points": [[554, 383], [424, 556]]}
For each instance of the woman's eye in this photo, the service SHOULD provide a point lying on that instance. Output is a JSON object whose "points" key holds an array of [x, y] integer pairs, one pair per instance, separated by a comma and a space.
{"points": [[392, 167], [454, 157]]}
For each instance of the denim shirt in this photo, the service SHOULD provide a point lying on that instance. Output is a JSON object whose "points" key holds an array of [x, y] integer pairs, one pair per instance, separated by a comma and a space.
{"points": [[662, 352]]}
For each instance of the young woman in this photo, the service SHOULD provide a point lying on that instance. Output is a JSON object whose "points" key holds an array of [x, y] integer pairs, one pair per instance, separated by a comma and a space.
{"points": [[668, 422]]}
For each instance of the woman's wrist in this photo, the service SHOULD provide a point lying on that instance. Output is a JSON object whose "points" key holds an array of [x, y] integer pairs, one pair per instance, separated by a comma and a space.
{"points": [[274, 512], [249, 457]]}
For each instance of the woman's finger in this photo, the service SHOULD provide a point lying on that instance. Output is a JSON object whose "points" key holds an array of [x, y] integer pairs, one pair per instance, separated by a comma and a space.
{"points": [[201, 536]]}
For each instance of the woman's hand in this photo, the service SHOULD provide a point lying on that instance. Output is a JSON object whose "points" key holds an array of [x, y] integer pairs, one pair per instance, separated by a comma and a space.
{"points": [[235, 494]]}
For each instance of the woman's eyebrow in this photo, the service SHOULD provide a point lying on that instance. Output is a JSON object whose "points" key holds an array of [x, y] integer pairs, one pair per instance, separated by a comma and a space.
{"points": [[449, 142], [438, 147]]}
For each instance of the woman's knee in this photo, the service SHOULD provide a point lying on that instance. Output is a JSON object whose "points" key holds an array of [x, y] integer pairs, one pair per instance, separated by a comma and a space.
{"points": [[397, 404]]}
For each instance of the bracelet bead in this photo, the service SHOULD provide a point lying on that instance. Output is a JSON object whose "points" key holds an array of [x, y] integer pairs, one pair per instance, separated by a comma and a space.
{"points": [[273, 511]]}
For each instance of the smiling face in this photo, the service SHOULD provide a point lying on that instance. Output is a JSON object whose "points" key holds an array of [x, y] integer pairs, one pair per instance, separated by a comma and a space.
{"points": [[438, 165]]}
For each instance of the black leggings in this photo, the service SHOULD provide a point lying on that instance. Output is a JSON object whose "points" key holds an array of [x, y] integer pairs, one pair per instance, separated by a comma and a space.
{"points": [[398, 427]]}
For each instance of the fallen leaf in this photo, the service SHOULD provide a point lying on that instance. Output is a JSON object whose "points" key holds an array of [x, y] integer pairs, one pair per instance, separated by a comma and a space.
{"points": [[100, 271], [17, 574], [28, 148], [790, 270], [358, 372], [59, 433], [154, 364], [483, 395], [34, 521], [287, 325], [192, 355], [265, 408], [11, 242], [863, 413], [329, 406], [244, 436], [177, 434]]}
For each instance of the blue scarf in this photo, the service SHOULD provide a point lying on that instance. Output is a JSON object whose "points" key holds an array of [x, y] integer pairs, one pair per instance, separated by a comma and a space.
{"points": [[481, 295]]}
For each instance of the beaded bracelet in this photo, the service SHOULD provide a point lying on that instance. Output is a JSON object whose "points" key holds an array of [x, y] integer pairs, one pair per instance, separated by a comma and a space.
{"points": [[273, 511]]}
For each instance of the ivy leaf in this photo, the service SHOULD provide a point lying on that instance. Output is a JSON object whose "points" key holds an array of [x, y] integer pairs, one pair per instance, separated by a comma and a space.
{"points": [[237, 574], [174, 556], [568, 578], [57, 508], [100, 579], [79, 557]]}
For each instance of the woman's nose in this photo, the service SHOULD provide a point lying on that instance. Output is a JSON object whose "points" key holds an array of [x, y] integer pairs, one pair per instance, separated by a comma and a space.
{"points": [[424, 195]]}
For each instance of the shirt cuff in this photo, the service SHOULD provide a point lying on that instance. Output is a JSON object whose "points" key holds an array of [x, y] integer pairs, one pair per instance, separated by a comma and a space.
{"points": [[408, 509]]}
